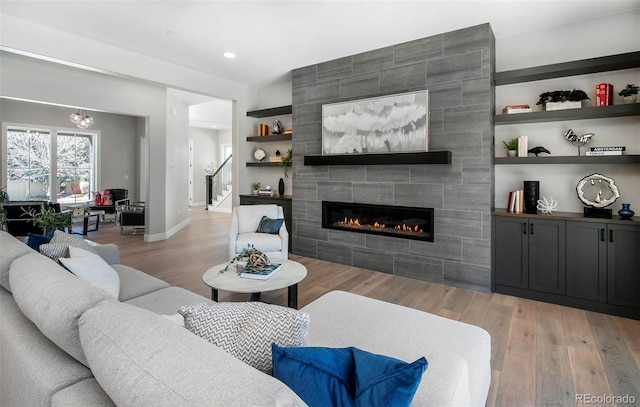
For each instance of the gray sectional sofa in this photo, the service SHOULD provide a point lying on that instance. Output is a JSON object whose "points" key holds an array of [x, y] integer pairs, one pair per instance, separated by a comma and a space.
{"points": [[66, 343]]}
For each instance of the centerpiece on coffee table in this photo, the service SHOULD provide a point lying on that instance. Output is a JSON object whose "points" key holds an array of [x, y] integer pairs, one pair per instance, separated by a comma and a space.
{"points": [[249, 255]]}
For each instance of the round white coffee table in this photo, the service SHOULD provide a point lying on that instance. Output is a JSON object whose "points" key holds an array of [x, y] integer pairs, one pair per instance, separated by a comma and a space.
{"points": [[289, 276]]}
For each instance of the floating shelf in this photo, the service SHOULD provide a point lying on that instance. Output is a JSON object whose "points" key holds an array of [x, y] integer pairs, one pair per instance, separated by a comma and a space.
{"points": [[273, 111], [603, 159], [580, 67], [270, 138], [593, 112], [264, 164], [430, 157]]}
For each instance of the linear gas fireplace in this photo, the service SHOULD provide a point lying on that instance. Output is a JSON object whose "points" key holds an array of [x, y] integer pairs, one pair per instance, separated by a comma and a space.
{"points": [[397, 221]]}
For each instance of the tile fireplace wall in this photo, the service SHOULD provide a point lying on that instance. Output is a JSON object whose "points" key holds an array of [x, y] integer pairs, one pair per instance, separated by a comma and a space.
{"points": [[456, 68]]}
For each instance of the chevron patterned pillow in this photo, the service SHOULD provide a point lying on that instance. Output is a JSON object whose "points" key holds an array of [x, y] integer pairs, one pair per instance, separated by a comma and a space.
{"points": [[247, 329]]}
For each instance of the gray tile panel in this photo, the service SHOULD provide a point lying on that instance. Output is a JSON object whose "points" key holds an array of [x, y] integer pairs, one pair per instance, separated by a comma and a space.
{"points": [[478, 37], [298, 209], [486, 225], [476, 91], [355, 173], [419, 195], [476, 251], [388, 173], [304, 247], [311, 173], [303, 76], [467, 276], [446, 94], [373, 260], [443, 247], [467, 118], [308, 113], [360, 85], [299, 95], [418, 50], [314, 210], [455, 68], [335, 191], [467, 197], [403, 78], [323, 92], [314, 147], [437, 174], [307, 132], [347, 238], [373, 61], [388, 243], [336, 253], [458, 223], [373, 193], [305, 190], [419, 268], [476, 171], [336, 69], [311, 229]]}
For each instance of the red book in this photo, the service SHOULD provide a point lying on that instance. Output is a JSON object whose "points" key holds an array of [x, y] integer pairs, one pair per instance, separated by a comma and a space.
{"points": [[604, 94]]}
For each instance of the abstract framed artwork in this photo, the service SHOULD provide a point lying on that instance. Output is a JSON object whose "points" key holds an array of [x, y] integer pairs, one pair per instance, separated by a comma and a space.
{"points": [[386, 124]]}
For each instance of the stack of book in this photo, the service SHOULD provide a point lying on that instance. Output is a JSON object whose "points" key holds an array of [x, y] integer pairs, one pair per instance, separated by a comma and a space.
{"points": [[268, 192], [512, 109], [263, 130], [604, 94], [617, 150], [523, 146], [288, 131], [263, 273], [515, 203]]}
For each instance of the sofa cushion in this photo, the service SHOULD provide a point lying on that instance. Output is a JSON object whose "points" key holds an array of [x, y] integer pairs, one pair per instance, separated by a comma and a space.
{"points": [[263, 241], [247, 329], [85, 393], [33, 368], [12, 249], [249, 216], [459, 354], [347, 376], [268, 225], [134, 283], [53, 299], [93, 269], [142, 359], [168, 300], [59, 245], [34, 240]]}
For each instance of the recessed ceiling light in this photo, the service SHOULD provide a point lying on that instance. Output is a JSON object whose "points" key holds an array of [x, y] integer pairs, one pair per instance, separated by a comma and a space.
{"points": [[169, 32], [229, 55]]}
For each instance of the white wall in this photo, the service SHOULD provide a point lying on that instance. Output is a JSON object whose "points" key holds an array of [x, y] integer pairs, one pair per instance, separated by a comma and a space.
{"points": [[205, 147], [562, 44]]}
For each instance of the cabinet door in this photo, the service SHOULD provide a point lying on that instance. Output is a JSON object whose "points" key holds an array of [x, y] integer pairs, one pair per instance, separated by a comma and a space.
{"points": [[587, 261], [510, 251], [547, 256], [623, 259]]}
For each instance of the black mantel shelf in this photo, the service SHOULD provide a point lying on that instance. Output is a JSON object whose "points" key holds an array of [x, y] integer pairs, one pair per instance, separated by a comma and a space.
{"points": [[430, 157]]}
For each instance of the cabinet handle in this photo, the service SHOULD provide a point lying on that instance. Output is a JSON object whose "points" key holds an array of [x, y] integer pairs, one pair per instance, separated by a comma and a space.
{"points": [[602, 235], [524, 228], [611, 236], [531, 229]]}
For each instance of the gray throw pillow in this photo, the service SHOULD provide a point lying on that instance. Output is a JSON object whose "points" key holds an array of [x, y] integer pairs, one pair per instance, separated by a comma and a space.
{"points": [[268, 225], [247, 329], [59, 245]]}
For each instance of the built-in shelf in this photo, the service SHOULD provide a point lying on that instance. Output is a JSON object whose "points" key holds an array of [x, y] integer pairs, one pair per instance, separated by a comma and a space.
{"points": [[593, 112], [273, 111], [581, 67], [272, 137], [605, 159], [430, 157], [264, 164]]}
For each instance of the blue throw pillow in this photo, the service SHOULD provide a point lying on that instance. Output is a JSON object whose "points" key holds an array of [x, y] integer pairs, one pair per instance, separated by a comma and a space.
{"points": [[347, 376], [34, 241], [268, 225]]}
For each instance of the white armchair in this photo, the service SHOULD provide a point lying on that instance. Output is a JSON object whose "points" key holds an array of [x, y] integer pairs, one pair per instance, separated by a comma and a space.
{"points": [[244, 223]]}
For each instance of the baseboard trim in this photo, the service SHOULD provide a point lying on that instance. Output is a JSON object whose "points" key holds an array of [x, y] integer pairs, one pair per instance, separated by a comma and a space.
{"points": [[156, 237]]}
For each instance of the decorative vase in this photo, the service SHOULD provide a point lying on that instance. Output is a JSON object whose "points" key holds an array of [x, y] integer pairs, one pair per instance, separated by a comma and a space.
{"points": [[626, 212], [531, 196], [627, 100], [511, 153], [281, 187], [277, 127]]}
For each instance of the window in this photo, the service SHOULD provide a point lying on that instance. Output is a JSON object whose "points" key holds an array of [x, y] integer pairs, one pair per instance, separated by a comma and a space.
{"points": [[30, 165]]}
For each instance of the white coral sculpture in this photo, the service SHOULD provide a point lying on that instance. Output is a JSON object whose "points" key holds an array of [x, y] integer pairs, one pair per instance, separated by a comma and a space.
{"points": [[547, 205]]}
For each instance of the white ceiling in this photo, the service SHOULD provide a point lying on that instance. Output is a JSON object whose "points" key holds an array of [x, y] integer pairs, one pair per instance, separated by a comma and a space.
{"points": [[270, 38]]}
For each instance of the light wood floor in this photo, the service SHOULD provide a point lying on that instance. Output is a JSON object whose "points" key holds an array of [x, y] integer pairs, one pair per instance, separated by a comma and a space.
{"points": [[542, 354]]}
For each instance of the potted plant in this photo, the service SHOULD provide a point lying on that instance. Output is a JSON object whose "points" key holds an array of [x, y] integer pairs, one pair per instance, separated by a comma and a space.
{"points": [[562, 99], [255, 187], [4, 197], [286, 162], [48, 219], [629, 93], [512, 146]]}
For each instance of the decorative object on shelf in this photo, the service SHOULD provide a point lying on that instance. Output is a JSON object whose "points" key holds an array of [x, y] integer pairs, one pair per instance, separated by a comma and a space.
{"points": [[576, 140], [590, 192], [277, 158], [255, 187], [286, 162], [81, 119], [547, 205], [251, 255], [629, 93], [562, 99], [277, 127], [259, 154], [278, 153], [512, 147], [266, 191], [263, 130], [387, 124], [281, 187], [531, 196], [537, 150], [626, 213], [604, 94], [514, 109]]}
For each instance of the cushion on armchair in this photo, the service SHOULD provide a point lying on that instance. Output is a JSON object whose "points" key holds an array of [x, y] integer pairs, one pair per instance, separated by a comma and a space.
{"points": [[249, 216]]}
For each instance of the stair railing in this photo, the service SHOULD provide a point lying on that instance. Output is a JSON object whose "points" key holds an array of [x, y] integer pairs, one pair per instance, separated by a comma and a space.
{"points": [[221, 178]]}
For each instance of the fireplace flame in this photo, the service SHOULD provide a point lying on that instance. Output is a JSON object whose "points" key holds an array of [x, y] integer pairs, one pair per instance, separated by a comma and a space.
{"points": [[356, 223]]}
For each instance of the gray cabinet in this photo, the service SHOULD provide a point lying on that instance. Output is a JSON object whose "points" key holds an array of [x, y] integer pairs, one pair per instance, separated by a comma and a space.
{"points": [[570, 260], [529, 254], [623, 265]]}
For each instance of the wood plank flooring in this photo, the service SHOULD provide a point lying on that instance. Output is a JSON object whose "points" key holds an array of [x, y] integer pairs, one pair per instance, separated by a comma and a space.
{"points": [[542, 354]]}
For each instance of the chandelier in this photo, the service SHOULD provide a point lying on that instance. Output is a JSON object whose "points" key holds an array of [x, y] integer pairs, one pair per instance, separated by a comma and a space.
{"points": [[81, 119]]}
